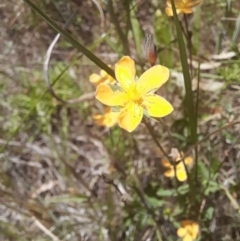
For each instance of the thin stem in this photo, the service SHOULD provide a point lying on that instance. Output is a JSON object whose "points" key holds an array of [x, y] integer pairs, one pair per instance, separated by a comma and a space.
{"points": [[155, 139], [197, 104], [189, 42]]}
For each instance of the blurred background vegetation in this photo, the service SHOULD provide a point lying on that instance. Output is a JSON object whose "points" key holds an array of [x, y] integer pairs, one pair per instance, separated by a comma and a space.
{"points": [[62, 177]]}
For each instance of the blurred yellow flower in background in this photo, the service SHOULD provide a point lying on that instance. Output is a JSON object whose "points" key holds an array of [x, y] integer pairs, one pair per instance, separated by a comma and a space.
{"points": [[108, 119], [182, 6], [180, 168], [188, 231], [133, 95], [103, 77]]}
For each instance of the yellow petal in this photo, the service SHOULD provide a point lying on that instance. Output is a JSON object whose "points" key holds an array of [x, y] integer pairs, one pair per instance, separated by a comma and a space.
{"points": [[188, 160], [186, 223], [195, 230], [125, 72], [105, 95], [181, 175], [169, 173], [97, 117], [130, 117], [152, 79], [187, 237], [169, 11], [186, 10], [108, 119], [165, 163], [108, 78], [193, 3], [157, 106], [181, 232], [96, 79]]}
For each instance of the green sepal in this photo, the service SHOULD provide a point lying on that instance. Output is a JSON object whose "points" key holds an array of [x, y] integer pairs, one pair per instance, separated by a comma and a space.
{"points": [[115, 87], [145, 113], [115, 109]]}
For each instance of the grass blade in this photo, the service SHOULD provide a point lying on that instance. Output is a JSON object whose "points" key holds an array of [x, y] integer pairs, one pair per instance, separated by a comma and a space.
{"points": [[189, 101]]}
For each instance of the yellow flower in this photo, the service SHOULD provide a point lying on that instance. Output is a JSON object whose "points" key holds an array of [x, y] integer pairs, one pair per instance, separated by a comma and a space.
{"points": [[182, 6], [188, 231], [180, 168], [108, 119], [135, 95], [104, 77]]}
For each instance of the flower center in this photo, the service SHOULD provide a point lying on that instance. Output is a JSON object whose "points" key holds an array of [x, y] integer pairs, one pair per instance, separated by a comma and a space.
{"points": [[135, 96]]}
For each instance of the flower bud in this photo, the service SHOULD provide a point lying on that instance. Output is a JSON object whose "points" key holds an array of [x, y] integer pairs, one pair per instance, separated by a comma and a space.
{"points": [[150, 49]]}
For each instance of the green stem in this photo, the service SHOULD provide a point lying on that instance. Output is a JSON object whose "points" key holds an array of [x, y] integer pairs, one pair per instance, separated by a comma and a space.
{"points": [[115, 21], [189, 101]]}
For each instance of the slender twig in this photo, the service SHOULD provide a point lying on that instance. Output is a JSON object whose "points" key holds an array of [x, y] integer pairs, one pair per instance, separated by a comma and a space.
{"points": [[45, 230], [47, 59], [100, 12], [149, 128]]}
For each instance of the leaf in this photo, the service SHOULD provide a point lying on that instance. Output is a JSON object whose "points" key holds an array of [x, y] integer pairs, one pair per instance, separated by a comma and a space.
{"points": [[211, 188], [204, 170], [155, 202], [166, 193], [66, 199], [206, 65], [183, 189], [189, 101], [224, 55], [209, 213]]}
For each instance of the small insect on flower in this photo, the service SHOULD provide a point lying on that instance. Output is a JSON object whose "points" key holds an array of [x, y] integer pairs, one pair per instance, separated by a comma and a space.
{"points": [[150, 48]]}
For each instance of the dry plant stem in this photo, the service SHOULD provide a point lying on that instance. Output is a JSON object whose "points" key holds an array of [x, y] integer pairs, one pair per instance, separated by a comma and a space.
{"points": [[149, 128], [111, 182], [100, 12], [81, 98], [47, 59], [115, 21], [45, 230]]}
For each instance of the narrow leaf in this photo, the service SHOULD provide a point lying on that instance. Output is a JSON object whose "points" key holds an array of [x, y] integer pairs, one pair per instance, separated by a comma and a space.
{"points": [[189, 101]]}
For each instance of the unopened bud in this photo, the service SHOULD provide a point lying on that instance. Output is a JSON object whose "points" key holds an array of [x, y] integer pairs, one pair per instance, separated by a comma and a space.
{"points": [[150, 49]]}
